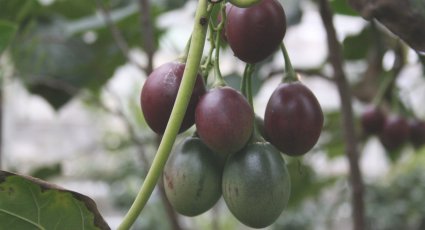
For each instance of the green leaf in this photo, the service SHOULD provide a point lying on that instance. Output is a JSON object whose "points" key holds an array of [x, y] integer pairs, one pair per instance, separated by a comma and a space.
{"points": [[71, 9], [357, 46], [334, 144], [342, 7], [54, 58], [29, 203], [7, 31], [304, 182], [46, 172], [18, 10]]}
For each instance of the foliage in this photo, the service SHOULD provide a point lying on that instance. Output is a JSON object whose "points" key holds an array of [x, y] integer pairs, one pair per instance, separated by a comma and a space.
{"points": [[27, 203]]}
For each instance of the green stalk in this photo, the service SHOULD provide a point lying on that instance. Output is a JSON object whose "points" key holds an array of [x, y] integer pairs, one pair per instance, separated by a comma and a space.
{"points": [[247, 92], [219, 80], [183, 96], [290, 75]]}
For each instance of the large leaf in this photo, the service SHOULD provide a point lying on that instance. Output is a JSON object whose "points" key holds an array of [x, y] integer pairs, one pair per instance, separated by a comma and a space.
{"points": [[29, 203], [7, 31], [62, 51]]}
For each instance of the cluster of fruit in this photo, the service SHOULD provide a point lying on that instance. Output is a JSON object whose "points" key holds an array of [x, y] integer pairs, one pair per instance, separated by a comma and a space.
{"points": [[393, 130], [227, 156]]}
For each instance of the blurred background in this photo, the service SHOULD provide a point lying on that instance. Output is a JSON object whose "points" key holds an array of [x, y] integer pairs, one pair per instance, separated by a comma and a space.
{"points": [[71, 82]]}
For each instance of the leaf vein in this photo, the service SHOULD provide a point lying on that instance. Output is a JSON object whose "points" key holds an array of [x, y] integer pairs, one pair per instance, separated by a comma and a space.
{"points": [[22, 218]]}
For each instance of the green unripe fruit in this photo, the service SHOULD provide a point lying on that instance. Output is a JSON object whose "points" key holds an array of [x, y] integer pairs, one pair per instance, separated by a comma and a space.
{"points": [[192, 177], [256, 184]]}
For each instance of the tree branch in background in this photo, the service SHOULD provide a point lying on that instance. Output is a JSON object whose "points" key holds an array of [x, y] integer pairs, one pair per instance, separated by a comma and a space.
{"points": [[116, 33], [148, 37], [148, 41], [174, 222], [404, 18], [351, 144]]}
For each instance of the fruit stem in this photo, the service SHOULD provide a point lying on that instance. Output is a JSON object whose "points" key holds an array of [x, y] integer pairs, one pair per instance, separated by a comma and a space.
{"points": [[219, 81], [247, 92], [206, 65], [183, 96], [250, 69], [290, 75]]}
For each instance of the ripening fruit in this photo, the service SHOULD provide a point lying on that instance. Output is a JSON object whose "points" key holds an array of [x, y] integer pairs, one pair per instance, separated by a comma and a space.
{"points": [[372, 120], [417, 132], [254, 33], [293, 119], [192, 177], [394, 133], [224, 120], [159, 93], [256, 184]]}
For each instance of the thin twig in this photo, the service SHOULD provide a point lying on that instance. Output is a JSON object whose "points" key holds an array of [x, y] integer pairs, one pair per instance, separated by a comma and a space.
{"points": [[116, 33], [148, 37], [351, 148]]}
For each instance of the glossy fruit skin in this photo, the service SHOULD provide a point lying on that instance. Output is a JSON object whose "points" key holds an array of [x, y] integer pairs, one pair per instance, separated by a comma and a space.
{"points": [[254, 33], [293, 119], [417, 132], [159, 94], [192, 177], [372, 120], [256, 184], [394, 133], [224, 120]]}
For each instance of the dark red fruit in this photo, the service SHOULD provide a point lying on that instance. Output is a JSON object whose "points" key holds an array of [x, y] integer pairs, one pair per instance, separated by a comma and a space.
{"points": [[159, 93], [394, 133], [254, 33], [224, 120], [293, 119], [256, 184], [372, 120], [417, 132], [192, 177]]}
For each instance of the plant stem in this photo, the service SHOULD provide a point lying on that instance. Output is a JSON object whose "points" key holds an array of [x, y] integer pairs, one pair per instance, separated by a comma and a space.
{"points": [[177, 114], [219, 78], [351, 143], [290, 74]]}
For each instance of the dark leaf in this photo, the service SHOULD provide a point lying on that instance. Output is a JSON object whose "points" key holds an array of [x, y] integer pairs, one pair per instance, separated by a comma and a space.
{"points": [[46, 172], [18, 10], [357, 46], [30, 203]]}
